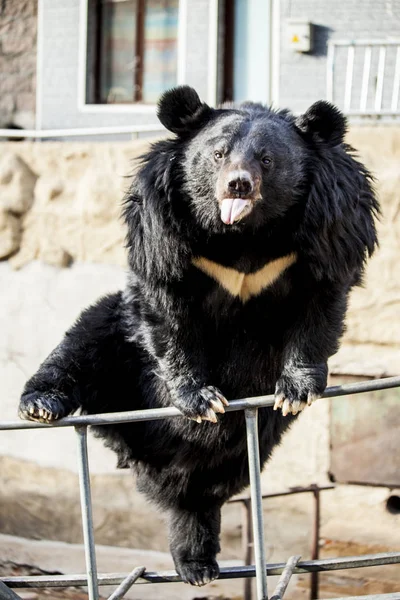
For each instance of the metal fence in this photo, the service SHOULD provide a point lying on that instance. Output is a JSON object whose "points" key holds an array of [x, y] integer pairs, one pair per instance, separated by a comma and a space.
{"points": [[134, 131], [140, 575], [363, 76]]}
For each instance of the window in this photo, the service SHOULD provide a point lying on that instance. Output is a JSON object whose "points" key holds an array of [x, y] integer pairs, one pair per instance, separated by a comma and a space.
{"points": [[133, 53]]}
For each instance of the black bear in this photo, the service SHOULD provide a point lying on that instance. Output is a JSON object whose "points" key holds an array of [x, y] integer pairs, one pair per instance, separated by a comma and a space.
{"points": [[246, 232]]}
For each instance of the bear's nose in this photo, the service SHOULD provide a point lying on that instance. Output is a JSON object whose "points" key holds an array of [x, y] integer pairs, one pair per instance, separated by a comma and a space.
{"points": [[240, 185]]}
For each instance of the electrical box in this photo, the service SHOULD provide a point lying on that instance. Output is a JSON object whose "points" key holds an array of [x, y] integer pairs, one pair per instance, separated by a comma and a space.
{"points": [[299, 35]]}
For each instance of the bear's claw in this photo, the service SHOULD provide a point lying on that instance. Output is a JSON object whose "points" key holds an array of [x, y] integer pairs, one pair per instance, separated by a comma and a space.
{"points": [[45, 407], [299, 387], [289, 406], [202, 404], [197, 573], [215, 403]]}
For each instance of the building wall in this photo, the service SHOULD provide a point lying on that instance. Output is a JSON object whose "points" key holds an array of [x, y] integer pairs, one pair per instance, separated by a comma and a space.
{"points": [[60, 37], [17, 62], [302, 78]]}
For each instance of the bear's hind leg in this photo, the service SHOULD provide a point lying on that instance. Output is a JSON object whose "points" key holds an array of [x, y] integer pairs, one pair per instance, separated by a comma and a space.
{"points": [[76, 373], [194, 544]]}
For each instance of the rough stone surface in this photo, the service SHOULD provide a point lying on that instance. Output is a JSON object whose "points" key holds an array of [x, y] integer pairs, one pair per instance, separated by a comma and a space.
{"points": [[75, 216], [10, 234], [17, 184], [18, 27], [77, 201]]}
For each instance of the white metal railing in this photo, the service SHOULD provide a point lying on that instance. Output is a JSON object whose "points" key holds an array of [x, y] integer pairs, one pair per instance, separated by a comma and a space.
{"points": [[81, 132], [369, 83]]}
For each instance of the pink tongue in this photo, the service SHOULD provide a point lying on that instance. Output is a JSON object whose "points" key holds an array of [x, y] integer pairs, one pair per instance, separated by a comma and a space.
{"points": [[232, 208]]}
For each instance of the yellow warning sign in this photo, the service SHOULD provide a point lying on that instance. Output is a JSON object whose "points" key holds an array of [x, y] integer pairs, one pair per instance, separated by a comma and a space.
{"points": [[295, 39]]}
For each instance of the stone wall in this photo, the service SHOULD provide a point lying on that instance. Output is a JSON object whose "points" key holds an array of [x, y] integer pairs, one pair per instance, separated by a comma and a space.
{"points": [[18, 19], [60, 203]]}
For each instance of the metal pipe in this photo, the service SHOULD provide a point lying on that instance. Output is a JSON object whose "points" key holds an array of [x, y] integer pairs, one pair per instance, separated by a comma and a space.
{"points": [[394, 596], [87, 517], [289, 492], [285, 578], [362, 42], [162, 413], [373, 113], [127, 583], [315, 543], [6, 593], [83, 131], [150, 577], [247, 541], [256, 502]]}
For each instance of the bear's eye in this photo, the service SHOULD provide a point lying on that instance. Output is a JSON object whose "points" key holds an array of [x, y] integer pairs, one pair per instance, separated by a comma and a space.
{"points": [[266, 160], [218, 155]]}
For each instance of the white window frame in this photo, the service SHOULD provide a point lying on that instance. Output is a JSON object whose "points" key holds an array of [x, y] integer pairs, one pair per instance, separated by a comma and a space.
{"points": [[84, 106]]}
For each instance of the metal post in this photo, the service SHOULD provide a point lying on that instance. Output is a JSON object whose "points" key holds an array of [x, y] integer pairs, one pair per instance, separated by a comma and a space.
{"points": [[285, 578], [7, 594], [127, 583], [247, 541], [256, 502], [87, 517], [314, 591]]}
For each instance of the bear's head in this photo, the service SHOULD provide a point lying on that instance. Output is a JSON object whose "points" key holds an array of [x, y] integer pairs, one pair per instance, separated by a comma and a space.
{"points": [[246, 166]]}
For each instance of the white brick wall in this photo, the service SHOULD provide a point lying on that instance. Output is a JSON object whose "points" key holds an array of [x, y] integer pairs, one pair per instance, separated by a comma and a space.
{"points": [[303, 76]]}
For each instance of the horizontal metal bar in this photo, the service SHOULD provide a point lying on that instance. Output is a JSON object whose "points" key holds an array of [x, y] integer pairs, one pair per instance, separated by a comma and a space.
{"points": [[127, 583], [380, 42], [285, 578], [289, 492], [373, 113], [153, 414], [82, 131], [308, 566], [395, 596]]}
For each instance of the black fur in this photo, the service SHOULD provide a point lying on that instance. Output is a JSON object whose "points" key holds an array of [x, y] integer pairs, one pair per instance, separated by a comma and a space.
{"points": [[175, 333]]}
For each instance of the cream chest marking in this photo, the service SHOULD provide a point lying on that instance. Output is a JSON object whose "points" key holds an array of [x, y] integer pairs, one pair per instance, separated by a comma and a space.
{"points": [[242, 285]]}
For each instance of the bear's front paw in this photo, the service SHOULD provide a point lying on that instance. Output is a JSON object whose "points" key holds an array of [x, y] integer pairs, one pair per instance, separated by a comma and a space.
{"points": [[44, 407], [299, 386], [197, 572], [203, 404]]}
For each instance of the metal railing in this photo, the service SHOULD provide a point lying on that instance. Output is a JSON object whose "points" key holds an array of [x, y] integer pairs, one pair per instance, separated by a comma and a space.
{"points": [[42, 134], [368, 74], [139, 575], [247, 532]]}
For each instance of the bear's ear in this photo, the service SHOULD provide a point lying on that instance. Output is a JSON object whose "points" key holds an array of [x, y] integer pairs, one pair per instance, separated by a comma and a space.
{"points": [[324, 122], [180, 110]]}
